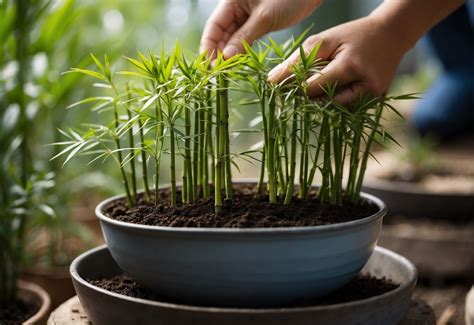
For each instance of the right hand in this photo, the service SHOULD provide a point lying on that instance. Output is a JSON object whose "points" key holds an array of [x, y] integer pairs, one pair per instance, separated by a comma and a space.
{"points": [[235, 20]]}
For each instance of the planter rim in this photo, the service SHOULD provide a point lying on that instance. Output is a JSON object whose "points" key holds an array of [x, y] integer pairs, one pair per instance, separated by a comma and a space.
{"points": [[43, 296], [408, 188], [412, 269], [278, 230]]}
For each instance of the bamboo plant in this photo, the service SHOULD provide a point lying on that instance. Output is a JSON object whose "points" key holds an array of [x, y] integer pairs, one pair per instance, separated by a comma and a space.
{"points": [[178, 105]]}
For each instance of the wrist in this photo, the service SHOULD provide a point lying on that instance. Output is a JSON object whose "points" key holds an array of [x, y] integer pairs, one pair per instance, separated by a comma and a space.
{"points": [[408, 20], [394, 18]]}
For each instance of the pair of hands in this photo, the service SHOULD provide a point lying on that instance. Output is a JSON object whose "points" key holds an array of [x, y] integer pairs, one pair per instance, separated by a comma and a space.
{"points": [[362, 54]]}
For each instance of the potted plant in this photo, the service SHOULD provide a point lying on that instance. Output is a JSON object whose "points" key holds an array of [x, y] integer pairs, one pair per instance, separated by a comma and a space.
{"points": [[21, 183], [430, 193], [423, 181], [210, 239]]}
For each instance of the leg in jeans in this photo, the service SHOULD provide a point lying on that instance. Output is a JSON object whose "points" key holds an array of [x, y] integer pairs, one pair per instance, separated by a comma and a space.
{"points": [[447, 108]]}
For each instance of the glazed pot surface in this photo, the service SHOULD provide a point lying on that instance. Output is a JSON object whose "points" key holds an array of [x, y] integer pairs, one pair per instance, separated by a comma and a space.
{"points": [[242, 267], [105, 307]]}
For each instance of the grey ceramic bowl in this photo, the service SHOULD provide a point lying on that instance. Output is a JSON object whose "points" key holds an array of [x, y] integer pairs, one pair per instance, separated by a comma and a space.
{"points": [[104, 307], [242, 267], [408, 200]]}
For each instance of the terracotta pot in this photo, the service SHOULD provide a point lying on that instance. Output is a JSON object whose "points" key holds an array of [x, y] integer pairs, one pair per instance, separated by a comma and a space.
{"points": [[85, 216], [55, 280], [31, 293]]}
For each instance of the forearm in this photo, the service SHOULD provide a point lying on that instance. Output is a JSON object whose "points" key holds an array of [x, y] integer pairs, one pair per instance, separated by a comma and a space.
{"points": [[408, 20]]}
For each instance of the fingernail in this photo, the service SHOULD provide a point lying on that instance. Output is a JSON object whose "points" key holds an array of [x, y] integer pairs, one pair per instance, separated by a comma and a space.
{"points": [[230, 51], [275, 73]]}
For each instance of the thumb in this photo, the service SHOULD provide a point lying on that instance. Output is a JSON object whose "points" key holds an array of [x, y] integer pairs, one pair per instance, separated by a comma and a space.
{"points": [[251, 30]]}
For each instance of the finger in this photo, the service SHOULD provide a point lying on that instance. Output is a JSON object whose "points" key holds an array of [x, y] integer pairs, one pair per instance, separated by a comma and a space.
{"points": [[220, 25], [334, 73], [351, 93], [250, 31], [285, 69]]}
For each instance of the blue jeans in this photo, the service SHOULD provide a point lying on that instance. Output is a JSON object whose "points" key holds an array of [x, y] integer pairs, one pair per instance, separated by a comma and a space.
{"points": [[447, 108]]}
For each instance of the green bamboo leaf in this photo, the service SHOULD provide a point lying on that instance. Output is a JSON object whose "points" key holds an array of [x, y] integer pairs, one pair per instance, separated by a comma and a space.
{"points": [[98, 64], [87, 72], [91, 99]]}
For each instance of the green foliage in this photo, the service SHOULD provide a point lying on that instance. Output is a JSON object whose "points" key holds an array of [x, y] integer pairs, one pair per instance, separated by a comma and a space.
{"points": [[179, 105]]}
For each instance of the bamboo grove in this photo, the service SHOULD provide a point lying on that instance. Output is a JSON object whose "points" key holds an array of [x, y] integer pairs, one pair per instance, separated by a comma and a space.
{"points": [[178, 105]]}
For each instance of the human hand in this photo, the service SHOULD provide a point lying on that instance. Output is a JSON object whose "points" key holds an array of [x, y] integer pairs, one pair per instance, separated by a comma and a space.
{"points": [[235, 20], [363, 57]]}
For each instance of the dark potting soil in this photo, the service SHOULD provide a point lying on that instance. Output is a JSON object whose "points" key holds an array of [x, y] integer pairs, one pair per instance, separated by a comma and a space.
{"points": [[17, 313], [245, 210], [361, 287]]}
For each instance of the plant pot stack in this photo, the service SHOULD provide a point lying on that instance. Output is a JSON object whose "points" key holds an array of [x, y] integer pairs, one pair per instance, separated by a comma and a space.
{"points": [[240, 272]]}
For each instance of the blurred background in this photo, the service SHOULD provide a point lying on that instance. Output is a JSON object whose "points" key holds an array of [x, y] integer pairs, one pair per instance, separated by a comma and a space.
{"points": [[59, 34]]}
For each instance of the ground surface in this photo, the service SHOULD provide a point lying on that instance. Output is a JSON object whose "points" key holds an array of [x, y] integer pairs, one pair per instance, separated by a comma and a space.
{"points": [[448, 302]]}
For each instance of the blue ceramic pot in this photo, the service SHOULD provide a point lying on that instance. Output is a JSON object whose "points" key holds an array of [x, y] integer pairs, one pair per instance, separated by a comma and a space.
{"points": [[256, 267]]}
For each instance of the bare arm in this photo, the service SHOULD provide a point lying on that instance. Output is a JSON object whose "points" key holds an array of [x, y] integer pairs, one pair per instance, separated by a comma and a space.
{"points": [[364, 54]]}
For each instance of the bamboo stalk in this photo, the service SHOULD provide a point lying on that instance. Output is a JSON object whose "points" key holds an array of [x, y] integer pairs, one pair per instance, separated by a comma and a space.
{"points": [[158, 149], [196, 153], [223, 84], [265, 137], [272, 187], [173, 165], [293, 135], [144, 166], [365, 157], [208, 146], [188, 168], [132, 146], [202, 151], [219, 152], [120, 158]]}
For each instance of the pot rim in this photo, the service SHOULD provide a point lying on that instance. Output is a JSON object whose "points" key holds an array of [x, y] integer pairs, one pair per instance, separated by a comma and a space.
{"points": [[403, 287], [379, 184], [207, 230], [42, 295]]}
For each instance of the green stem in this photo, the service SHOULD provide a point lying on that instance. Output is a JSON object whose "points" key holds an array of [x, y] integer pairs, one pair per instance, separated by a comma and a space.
{"points": [[158, 149], [196, 153], [208, 150], [132, 147], [188, 168], [265, 140], [144, 166], [173, 165], [293, 135], [365, 157], [218, 153], [271, 149], [223, 84], [318, 151], [202, 151], [120, 158]]}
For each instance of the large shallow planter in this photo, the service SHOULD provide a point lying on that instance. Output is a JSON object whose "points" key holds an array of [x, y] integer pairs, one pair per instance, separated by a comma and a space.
{"points": [[440, 249], [105, 307], [31, 293], [242, 267], [411, 201]]}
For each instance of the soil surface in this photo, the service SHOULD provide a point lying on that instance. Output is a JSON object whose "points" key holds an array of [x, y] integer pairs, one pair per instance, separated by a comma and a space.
{"points": [[17, 313], [245, 210], [361, 287]]}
